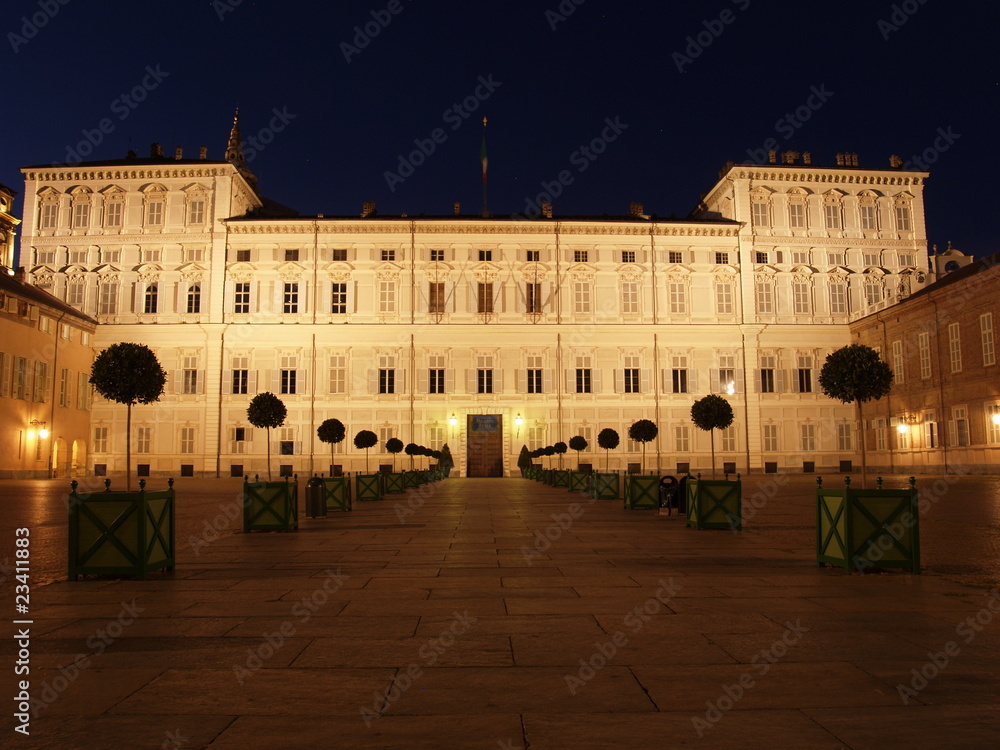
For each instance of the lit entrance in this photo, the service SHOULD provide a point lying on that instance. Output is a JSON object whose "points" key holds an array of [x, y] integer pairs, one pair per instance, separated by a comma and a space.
{"points": [[485, 445]]}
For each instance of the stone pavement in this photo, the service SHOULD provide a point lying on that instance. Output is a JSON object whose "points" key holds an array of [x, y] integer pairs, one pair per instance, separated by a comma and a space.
{"points": [[493, 613]]}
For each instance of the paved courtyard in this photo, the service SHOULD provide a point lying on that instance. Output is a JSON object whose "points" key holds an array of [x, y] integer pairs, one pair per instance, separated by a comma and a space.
{"points": [[495, 613]]}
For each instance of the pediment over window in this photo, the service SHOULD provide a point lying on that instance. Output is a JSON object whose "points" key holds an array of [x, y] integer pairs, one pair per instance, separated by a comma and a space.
{"points": [[339, 266], [48, 192], [290, 271], [113, 191], [152, 188]]}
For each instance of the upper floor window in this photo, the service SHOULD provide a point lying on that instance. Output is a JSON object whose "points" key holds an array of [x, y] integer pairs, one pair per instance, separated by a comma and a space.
{"points": [[797, 215], [290, 298], [151, 298], [721, 258], [340, 254], [532, 256], [50, 216], [630, 297], [484, 297], [532, 298], [903, 223], [338, 305], [194, 299], [242, 256], [437, 254], [81, 215], [869, 217], [677, 293], [580, 256], [154, 213], [628, 256], [761, 213], [723, 298], [485, 255], [113, 212], [386, 296], [241, 297], [196, 212], [388, 254], [581, 296], [435, 296], [832, 216]]}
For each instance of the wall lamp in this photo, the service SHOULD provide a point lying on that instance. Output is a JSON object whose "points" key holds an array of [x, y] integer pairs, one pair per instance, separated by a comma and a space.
{"points": [[40, 426], [519, 420], [453, 420]]}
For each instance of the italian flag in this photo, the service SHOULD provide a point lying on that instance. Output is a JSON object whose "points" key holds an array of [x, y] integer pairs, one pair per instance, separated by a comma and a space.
{"points": [[482, 155]]}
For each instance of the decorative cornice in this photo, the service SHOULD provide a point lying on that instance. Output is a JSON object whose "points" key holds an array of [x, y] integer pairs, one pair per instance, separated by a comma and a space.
{"points": [[846, 242], [862, 177], [120, 173], [104, 240], [328, 227]]}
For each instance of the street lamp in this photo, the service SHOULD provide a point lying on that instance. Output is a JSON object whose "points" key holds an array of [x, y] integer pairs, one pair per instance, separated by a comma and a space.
{"points": [[40, 426]]}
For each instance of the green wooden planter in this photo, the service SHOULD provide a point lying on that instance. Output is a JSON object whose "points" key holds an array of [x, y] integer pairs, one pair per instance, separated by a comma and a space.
{"points": [[605, 486], [121, 533], [369, 487], [423, 476], [270, 506], [394, 483], [412, 478], [338, 493], [642, 491], [547, 476], [560, 477], [714, 503], [579, 481], [861, 529]]}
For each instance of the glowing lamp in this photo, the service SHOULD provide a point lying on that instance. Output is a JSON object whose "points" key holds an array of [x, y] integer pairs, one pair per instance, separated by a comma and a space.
{"points": [[453, 420]]}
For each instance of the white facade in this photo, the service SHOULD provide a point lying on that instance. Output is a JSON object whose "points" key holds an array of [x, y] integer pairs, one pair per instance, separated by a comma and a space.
{"points": [[396, 324]]}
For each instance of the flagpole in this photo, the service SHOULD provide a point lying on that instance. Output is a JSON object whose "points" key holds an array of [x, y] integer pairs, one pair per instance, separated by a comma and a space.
{"points": [[483, 158]]}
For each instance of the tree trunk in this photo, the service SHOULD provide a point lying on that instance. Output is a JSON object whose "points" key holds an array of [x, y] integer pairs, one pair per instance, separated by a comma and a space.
{"points": [[366, 460], [268, 454], [861, 435], [331, 458], [642, 467], [607, 459], [711, 438], [128, 448]]}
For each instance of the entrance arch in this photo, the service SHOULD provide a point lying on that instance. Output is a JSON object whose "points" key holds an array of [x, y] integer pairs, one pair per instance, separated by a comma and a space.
{"points": [[78, 459], [485, 445], [59, 459]]}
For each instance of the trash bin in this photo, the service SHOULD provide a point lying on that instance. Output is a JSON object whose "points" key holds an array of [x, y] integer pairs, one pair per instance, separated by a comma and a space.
{"points": [[668, 493], [315, 498]]}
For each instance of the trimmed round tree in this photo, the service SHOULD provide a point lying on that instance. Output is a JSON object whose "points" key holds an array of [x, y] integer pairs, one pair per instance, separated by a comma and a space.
{"points": [[393, 446], [411, 451], [266, 410], [712, 413], [365, 439], [578, 443], [560, 448], [643, 431], [855, 374], [128, 374], [332, 431], [608, 440]]}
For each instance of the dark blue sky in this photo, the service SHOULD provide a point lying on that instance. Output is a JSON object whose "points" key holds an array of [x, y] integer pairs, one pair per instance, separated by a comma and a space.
{"points": [[557, 79]]}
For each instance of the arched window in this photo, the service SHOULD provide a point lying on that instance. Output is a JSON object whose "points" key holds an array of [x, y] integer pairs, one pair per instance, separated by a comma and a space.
{"points": [[150, 299], [194, 299]]}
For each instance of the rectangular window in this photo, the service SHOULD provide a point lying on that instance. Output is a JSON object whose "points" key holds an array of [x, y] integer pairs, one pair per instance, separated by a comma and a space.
{"points": [[485, 256], [836, 259], [241, 298], [484, 380], [435, 297], [993, 423], [436, 254], [484, 296], [143, 439], [532, 298], [107, 303], [723, 298], [194, 299], [800, 257], [291, 255], [187, 440], [838, 298], [631, 376], [930, 429], [386, 296], [903, 219], [339, 298], [831, 215], [630, 297], [873, 293], [675, 256], [289, 375], [338, 373], [532, 256], [801, 298], [584, 377], [82, 391], [955, 347], [898, 367], [50, 216], [76, 294], [765, 298], [435, 380], [290, 298], [581, 296], [677, 291], [808, 436], [534, 381], [771, 438], [760, 257], [805, 374], [340, 254], [241, 377], [628, 256], [196, 213], [242, 256], [81, 215], [960, 416], [151, 299], [797, 215], [154, 213], [679, 380], [924, 351], [869, 218], [767, 364], [682, 438], [386, 380], [41, 390], [100, 440], [65, 386], [388, 255], [721, 259], [871, 259], [190, 375], [113, 214], [580, 256], [907, 260], [761, 214], [881, 440], [986, 335], [845, 438]]}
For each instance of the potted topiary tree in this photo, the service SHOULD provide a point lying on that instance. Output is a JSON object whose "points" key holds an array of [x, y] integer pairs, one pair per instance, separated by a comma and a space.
{"points": [[642, 491], [561, 476], [368, 486], [331, 431], [608, 439], [606, 484], [338, 489], [269, 506], [579, 480], [394, 482], [713, 504], [712, 413], [128, 374]]}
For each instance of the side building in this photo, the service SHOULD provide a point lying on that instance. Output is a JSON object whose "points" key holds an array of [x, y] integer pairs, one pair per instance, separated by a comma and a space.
{"points": [[418, 328], [943, 413]]}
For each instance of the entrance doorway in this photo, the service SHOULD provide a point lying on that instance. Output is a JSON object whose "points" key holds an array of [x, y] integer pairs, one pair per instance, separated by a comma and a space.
{"points": [[485, 445]]}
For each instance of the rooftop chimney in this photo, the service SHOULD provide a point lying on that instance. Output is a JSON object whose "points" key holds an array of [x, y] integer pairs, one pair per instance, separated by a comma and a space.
{"points": [[458, 208], [156, 150], [179, 153], [19, 274], [546, 209], [203, 153], [367, 209]]}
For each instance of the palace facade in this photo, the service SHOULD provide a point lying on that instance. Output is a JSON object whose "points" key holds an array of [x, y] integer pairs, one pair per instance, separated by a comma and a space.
{"points": [[412, 326]]}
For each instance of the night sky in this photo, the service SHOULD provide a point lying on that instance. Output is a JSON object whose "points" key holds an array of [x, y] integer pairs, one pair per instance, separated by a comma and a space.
{"points": [[867, 77]]}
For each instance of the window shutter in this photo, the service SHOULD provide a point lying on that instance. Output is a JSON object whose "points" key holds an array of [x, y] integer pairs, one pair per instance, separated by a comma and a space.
{"points": [[521, 381], [570, 381], [227, 381], [595, 381], [779, 381], [497, 380], [714, 381], [757, 381], [619, 380], [200, 389], [520, 298], [692, 381], [498, 297], [470, 381], [252, 382], [275, 379], [547, 384], [400, 380], [644, 381], [449, 381], [473, 302], [739, 380], [301, 383], [667, 380], [373, 381], [298, 447], [423, 381], [952, 432], [178, 381], [255, 296]]}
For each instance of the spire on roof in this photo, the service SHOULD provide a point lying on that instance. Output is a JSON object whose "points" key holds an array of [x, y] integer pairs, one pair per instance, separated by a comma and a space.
{"points": [[234, 151]]}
